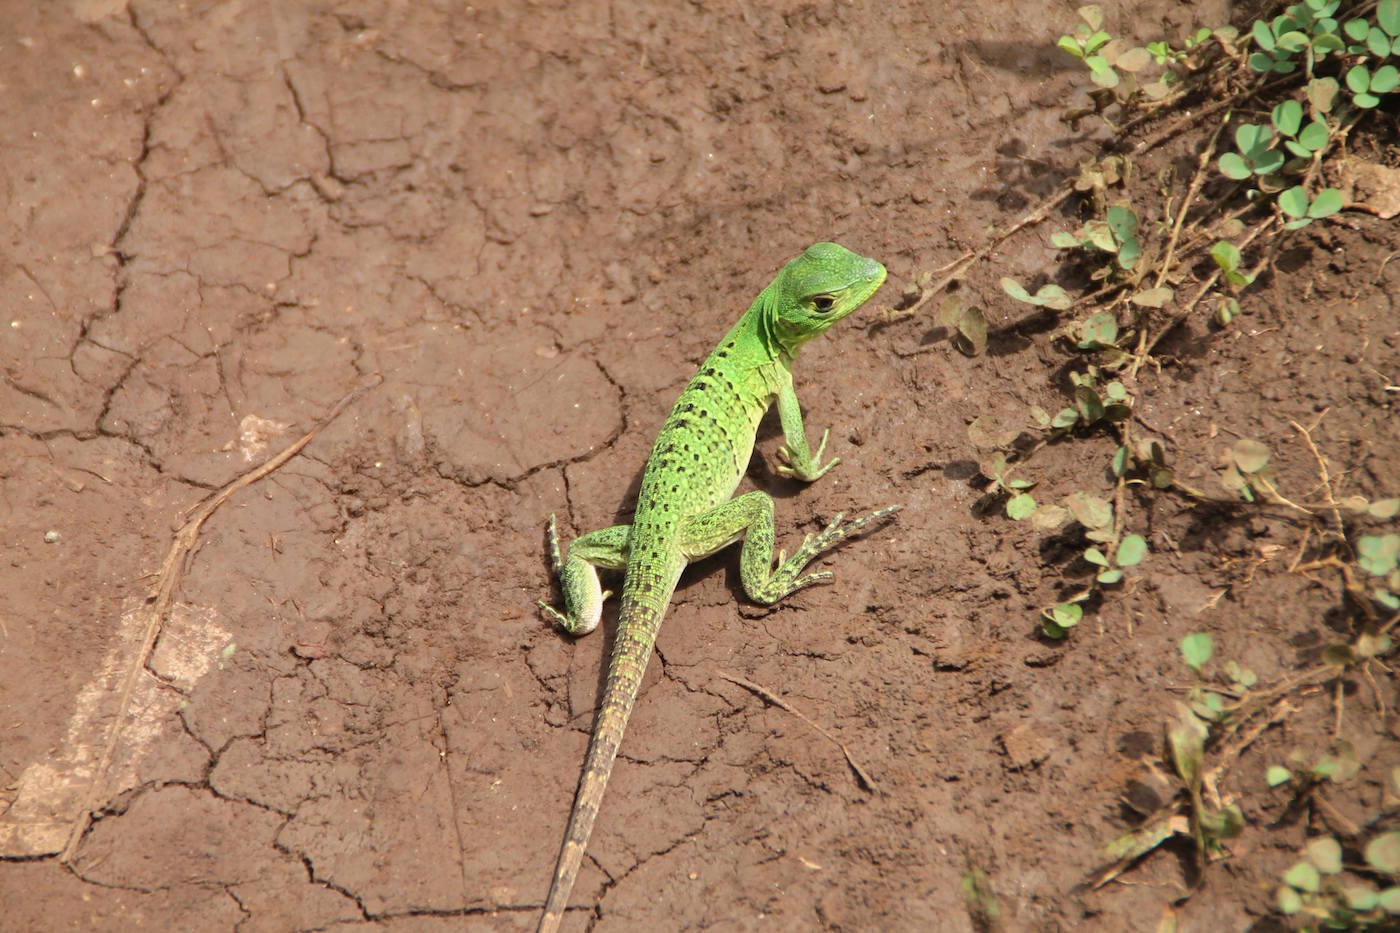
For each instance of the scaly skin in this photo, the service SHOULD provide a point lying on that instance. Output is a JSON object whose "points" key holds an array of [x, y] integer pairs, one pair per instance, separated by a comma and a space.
{"points": [[684, 511]]}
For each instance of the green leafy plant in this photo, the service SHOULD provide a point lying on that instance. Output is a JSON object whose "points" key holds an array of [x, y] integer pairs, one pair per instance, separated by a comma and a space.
{"points": [[1096, 400], [1227, 256], [1207, 702], [1381, 40], [1095, 515], [1056, 621], [1049, 296], [1315, 886], [1086, 41], [1261, 155], [1115, 66], [1196, 650], [1305, 29], [995, 440], [1116, 234], [1130, 552], [1186, 814], [1256, 153], [1378, 556], [1302, 210]]}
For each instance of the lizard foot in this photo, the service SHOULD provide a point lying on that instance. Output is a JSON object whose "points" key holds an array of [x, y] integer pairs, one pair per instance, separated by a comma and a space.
{"points": [[786, 579]]}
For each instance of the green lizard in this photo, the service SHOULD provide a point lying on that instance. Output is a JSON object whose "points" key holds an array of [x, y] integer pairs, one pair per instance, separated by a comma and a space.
{"points": [[684, 511]]}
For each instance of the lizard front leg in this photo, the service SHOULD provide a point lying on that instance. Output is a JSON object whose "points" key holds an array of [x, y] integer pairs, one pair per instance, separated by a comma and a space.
{"points": [[750, 516], [797, 461], [578, 575]]}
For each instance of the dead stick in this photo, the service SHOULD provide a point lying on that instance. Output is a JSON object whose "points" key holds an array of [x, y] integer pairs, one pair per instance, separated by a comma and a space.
{"points": [[1322, 471], [865, 779], [170, 574]]}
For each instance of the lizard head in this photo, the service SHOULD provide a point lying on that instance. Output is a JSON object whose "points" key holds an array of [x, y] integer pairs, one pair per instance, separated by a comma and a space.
{"points": [[817, 289]]}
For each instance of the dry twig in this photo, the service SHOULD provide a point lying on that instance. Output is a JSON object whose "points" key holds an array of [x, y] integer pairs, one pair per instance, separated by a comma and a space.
{"points": [[167, 582], [866, 781]]}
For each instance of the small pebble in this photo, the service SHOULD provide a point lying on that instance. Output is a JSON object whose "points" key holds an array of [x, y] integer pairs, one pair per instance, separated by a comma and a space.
{"points": [[50, 537]]}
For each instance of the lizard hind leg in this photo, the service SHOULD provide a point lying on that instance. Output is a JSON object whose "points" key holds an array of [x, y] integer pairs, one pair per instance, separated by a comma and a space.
{"points": [[751, 516], [577, 570]]}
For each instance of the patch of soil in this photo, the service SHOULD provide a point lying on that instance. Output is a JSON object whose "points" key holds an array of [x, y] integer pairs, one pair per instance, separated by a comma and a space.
{"points": [[532, 223]]}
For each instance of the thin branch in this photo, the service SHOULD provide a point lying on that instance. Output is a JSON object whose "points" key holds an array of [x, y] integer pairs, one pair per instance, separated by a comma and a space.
{"points": [[1322, 471], [171, 573], [866, 781]]}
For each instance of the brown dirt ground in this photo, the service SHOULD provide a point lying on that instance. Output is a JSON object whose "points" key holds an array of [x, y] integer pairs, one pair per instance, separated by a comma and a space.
{"points": [[533, 222]]}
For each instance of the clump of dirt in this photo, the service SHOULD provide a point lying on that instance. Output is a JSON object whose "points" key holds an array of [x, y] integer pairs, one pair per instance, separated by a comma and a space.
{"points": [[532, 224]]}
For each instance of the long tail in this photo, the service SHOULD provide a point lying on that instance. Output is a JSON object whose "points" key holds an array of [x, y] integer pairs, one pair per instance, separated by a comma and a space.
{"points": [[636, 633]]}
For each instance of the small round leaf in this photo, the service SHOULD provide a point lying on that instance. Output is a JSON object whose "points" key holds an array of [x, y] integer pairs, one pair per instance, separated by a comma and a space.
{"points": [[1377, 43], [1313, 136], [1325, 853], [1327, 203], [1383, 853], [1015, 290], [1226, 255], [1294, 203], [1302, 877], [1250, 137], [1053, 297], [1325, 42], [1020, 506], [1131, 551], [1233, 166], [1101, 72], [1361, 899], [1249, 455], [1277, 774], [1090, 510], [1196, 650], [1359, 79], [1268, 162], [1384, 508], [1049, 517], [1356, 29], [1263, 37], [1134, 60], [1388, 16], [973, 329], [1287, 117], [1385, 80]]}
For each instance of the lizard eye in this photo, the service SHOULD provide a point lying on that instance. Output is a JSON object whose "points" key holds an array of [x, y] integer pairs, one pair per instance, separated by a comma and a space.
{"points": [[823, 303]]}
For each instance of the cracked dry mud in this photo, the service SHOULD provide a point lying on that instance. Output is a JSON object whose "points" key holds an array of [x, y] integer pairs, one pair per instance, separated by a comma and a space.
{"points": [[533, 222]]}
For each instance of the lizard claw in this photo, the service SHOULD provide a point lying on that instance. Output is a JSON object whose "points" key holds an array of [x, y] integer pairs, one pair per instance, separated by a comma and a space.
{"points": [[812, 469], [554, 615]]}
